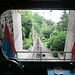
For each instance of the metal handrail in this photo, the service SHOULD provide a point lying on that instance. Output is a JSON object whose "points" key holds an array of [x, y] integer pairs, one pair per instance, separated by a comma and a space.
{"points": [[41, 52]]}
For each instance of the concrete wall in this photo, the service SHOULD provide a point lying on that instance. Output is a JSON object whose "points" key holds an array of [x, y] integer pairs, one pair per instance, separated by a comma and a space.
{"points": [[70, 37], [17, 29]]}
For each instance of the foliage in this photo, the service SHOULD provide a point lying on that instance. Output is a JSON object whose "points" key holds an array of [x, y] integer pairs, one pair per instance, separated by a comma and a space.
{"points": [[63, 23], [46, 29], [27, 25], [57, 43], [57, 39], [46, 32], [45, 41], [38, 19], [55, 54], [42, 26], [50, 22], [50, 41], [26, 17], [37, 28], [52, 34], [27, 43]]}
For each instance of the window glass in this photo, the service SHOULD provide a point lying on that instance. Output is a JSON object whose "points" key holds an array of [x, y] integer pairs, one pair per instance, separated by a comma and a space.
{"points": [[38, 35]]}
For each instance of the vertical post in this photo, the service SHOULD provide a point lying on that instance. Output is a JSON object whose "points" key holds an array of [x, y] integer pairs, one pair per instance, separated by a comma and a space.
{"points": [[16, 56], [40, 53], [64, 55]]}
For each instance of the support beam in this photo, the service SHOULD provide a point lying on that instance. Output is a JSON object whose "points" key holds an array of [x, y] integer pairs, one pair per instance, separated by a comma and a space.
{"points": [[70, 37]]}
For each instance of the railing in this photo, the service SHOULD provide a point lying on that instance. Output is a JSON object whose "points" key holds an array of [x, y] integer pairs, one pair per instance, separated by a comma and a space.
{"points": [[31, 56]]}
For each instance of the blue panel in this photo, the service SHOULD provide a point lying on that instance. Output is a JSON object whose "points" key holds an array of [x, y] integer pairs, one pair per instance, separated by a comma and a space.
{"points": [[69, 72], [50, 72], [65, 72]]}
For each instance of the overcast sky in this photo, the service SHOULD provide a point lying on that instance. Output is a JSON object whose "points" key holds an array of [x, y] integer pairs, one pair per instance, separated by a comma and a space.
{"points": [[54, 15]]}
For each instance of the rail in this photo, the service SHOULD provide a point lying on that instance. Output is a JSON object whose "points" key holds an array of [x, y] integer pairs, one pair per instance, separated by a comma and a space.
{"points": [[32, 56]]}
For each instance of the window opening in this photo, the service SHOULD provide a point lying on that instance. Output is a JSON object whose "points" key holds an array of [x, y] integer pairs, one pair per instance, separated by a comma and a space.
{"points": [[40, 35]]}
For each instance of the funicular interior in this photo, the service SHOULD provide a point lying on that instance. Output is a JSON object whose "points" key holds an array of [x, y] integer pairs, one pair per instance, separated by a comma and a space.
{"points": [[39, 63]]}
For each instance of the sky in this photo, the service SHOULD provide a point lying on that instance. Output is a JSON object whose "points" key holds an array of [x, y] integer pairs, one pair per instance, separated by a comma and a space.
{"points": [[54, 15]]}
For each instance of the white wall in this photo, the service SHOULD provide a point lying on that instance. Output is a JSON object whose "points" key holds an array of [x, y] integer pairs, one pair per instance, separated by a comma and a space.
{"points": [[17, 29], [70, 38]]}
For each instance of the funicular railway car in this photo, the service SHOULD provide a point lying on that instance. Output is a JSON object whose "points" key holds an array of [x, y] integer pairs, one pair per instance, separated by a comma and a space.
{"points": [[10, 66]]}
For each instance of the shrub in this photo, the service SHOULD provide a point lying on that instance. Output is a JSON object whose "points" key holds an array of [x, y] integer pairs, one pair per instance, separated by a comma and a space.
{"points": [[45, 41], [57, 43], [55, 54], [27, 43]]}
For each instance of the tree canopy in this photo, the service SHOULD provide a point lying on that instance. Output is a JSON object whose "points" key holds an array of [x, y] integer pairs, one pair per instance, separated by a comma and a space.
{"points": [[26, 17], [63, 23]]}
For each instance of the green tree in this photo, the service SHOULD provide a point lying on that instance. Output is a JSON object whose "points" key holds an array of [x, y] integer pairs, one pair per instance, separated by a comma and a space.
{"points": [[63, 23], [50, 22], [46, 32], [26, 21], [38, 19], [37, 28], [26, 17], [57, 43], [27, 25]]}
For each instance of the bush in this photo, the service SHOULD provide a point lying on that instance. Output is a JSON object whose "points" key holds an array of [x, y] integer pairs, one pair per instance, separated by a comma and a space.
{"points": [[57, 43], [43, 38], [27, 43], [50, 41], [55, 54], [45, 41], [26, 46]]}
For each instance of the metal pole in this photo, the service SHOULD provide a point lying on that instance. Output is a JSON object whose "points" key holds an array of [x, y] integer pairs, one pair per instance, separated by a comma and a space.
{"points": [[64, 55], [40, 53]]}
